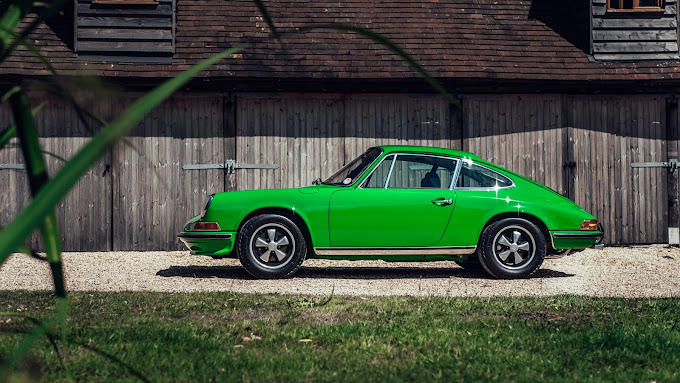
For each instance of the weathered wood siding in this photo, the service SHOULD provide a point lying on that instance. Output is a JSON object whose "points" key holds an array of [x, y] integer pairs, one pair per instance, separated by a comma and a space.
{"points": [[10, 199], [105, 26], [153, 196], [522, 133], [606, 135], [312, 136], [636, 36], [139, 201], [84, 215]]}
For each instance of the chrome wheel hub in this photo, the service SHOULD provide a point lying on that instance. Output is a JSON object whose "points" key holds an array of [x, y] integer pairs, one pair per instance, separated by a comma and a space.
{"points": [[514, 246], [272, 244]]}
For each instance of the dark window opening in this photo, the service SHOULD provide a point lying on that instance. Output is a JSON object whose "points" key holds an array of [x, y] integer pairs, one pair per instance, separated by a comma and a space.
{"points": [[635, 5]]}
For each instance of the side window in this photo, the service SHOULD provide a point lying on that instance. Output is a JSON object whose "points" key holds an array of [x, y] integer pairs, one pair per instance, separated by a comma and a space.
{"points": [[475, 176], [378, 178], [421, 172]]}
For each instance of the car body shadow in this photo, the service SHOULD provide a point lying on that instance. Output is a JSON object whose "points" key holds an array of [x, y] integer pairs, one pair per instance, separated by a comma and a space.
{"points": [[236, 272]]}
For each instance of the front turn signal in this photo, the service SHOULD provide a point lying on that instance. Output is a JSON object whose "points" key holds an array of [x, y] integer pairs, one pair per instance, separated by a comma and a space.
{"points": [[589, 224]]}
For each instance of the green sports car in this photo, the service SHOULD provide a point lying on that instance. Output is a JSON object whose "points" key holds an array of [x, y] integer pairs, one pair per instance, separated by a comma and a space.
{"points": [[397, 203]]}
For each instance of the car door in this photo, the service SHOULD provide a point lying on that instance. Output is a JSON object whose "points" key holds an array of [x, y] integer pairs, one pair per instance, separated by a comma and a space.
{"points": [[406, 201]]}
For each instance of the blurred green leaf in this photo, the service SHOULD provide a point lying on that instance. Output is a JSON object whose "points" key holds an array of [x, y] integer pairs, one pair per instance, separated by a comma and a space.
{"points": [[38, 178], [30, 217], [13, 12], [18, 11], [267, 18]]}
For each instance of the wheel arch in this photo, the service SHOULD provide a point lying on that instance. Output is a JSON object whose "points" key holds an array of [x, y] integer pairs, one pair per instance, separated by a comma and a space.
{"points": [[288, 213], [529, 217]]}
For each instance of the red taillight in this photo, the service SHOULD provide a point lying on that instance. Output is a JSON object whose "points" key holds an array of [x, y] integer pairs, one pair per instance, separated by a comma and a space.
{"points": [[589, 224], [206, 226]]}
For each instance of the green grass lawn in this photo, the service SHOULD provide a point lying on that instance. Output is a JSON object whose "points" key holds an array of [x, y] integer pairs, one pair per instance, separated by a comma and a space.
{"points": [[223, 336]]}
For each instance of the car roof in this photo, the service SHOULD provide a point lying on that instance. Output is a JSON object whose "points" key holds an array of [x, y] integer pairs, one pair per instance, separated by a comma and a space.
{"points": [[429, 150]]}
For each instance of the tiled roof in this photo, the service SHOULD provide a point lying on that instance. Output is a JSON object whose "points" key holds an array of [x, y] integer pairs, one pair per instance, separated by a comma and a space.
{"points": [[453, 39]]}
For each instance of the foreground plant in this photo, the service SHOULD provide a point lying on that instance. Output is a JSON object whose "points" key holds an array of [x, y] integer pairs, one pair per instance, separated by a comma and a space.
{"points": [[46, 192]]}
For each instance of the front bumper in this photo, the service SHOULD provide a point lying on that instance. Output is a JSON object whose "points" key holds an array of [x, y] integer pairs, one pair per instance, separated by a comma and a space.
{"points": [[575, 239], [208, 243]]}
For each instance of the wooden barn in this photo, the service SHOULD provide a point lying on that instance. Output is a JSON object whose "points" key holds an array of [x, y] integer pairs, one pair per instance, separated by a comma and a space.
{"points": [[579, 95]]}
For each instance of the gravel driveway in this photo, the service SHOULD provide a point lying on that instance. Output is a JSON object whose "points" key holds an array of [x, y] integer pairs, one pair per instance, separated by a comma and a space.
{"points": [[613, 272]]}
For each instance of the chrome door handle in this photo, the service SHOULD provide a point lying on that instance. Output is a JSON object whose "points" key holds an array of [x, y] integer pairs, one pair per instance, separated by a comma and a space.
{"points": [[442, 202]]}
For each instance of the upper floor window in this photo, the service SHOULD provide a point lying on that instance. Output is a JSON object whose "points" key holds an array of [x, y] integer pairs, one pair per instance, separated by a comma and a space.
{"points": [[635, 5], [128, 27]]}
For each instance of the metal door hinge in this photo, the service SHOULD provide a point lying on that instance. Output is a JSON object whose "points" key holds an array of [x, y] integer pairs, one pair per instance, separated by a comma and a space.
{"points": [[230, 166], [670, 164], [12, 166]]}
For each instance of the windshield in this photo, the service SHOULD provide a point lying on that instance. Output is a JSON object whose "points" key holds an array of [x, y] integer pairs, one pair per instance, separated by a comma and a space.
{"points": [[351, 172]]}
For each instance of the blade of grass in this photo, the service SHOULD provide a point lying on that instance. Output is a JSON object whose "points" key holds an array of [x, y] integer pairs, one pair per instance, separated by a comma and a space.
{"points": [[21, 40], [44, 15], [11, 130], [11, 359], [31, 216], [13, 12], [391, 46], [268, 19], [38, 178]]}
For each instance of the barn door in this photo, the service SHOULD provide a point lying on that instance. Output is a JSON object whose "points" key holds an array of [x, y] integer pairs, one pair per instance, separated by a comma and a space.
{"points": [[525, 134], [583, 148], [153, 196], [606, 135]]}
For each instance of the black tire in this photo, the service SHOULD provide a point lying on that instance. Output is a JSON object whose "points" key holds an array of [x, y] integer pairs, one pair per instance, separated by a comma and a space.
{"points": [[271, 246], [512, 248]]}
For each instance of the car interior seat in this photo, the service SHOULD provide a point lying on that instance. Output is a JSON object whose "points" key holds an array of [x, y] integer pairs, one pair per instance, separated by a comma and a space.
{"points": [[431, 180]]}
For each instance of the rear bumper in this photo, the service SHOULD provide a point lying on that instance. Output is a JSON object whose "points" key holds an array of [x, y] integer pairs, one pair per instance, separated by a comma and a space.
{"points": [[208, 243], [575, 239]]}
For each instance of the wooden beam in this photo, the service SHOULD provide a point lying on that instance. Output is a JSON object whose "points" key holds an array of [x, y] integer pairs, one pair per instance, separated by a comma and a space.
{"points": [[635, 23], [128, 22], [153, 10], [634, 35], [126, 46], [635, 47], [128, 34], [635, 56]]}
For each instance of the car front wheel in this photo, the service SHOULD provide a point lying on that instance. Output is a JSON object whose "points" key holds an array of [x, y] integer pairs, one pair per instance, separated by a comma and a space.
{"points": [[512, 248], [271, 246]]}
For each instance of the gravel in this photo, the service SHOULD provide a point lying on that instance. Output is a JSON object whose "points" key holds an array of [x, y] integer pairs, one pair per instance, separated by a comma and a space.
{"points": [[630, 272]]}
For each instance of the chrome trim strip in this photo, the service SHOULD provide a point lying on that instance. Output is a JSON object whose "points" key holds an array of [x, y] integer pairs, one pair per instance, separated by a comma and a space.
{"points": [[205, 236], [454, 179], [337, 251], [389, 174]]}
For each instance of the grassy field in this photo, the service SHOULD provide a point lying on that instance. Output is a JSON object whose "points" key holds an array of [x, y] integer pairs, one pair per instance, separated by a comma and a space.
{"points": [[224, 336]]}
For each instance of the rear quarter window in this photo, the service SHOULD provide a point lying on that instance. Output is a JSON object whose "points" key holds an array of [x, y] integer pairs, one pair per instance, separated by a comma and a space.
{"points": [[473, 176]]}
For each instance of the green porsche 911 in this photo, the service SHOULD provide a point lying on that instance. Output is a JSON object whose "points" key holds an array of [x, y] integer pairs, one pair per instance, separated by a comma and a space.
{"points": [[397, 203]]}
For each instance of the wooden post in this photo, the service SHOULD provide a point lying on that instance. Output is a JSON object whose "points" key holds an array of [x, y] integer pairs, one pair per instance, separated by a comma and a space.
{"points": [[672, 136], [229, 106], [456, 124]]}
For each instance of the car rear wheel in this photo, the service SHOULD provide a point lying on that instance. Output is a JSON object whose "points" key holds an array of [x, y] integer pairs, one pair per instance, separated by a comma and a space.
{"points": [[271, 246], [512, 248]]}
